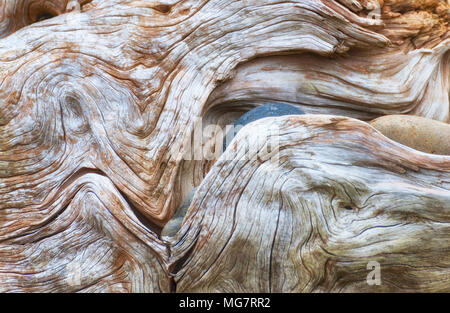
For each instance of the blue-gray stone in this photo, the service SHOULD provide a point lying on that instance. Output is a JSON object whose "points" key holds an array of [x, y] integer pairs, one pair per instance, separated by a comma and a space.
{"points": [[266, 110]]}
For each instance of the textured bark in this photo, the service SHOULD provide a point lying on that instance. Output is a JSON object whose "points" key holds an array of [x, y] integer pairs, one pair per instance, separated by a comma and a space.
{"points": [[341, 195], [94, 101]]}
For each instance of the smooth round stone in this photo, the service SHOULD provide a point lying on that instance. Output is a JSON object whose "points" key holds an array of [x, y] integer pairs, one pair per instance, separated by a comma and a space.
{"points": [[262, 111], [174, 225], [419, 133]]}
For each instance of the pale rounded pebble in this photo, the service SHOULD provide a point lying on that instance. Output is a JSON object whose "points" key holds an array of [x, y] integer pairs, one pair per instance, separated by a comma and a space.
{"points": [[174, 224], [416, 132]]}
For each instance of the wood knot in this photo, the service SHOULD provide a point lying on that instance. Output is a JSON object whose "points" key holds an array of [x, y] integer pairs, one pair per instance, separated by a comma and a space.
{"points": [[163, 8]]}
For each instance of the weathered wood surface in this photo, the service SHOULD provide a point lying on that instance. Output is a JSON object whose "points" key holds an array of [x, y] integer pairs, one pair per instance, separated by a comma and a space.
{"points": [[93, 103], [340, 195]]}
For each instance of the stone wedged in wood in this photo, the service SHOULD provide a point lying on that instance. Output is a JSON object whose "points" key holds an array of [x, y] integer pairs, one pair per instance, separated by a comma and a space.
{"points": [[121, 86], [341, 196], [263, 111], [174, 224], [363, 85], [416, 132]]}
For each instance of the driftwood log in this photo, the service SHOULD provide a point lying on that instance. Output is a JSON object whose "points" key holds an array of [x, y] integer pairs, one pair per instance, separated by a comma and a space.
{"points": [[100, 102]]}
